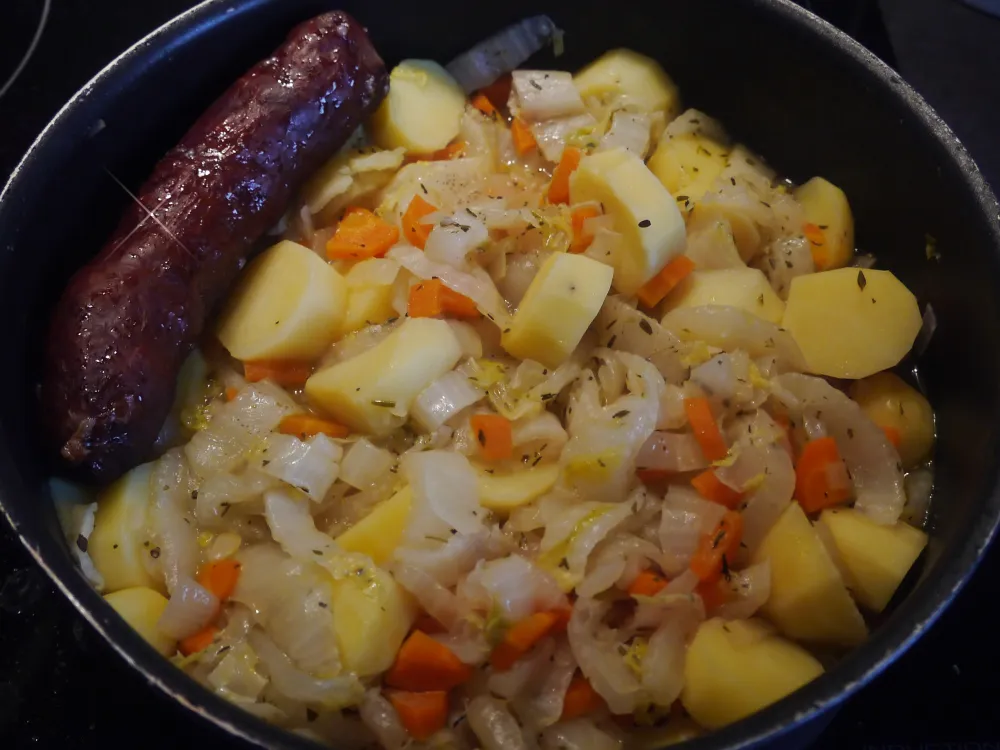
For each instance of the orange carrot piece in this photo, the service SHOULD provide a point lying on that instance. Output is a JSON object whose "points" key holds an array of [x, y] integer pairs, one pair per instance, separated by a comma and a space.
{"points": [[422, 714], [432, 298], [283, 372], [817, 244], [220, 577], [652, 476], [581, 237], [714, 549], [893, 434], [424, 664], [361, 234], [559, 187], [414, 231], [706, 430], [712, 488], [581, 699], [498, 92], [821, 478], [494, 434], [305, 426], [653, 291], [231, 393], [647, 583], [520, 637], [524, 141], [714, 594], [482, 102], [198, 642]]}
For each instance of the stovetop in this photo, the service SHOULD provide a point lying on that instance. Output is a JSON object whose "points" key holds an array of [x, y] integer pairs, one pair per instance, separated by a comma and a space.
{"points": [[61, 686]]}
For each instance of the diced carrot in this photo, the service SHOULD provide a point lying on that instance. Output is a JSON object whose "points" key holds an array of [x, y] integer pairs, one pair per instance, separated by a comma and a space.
{"points": [[220, 577], [422, 714], [432, 298], [414, 231], [482, 102], [231, 393], [424, 664], [559, 187], [715, 548], [361, 234], [712, 488], [893, 434], [428, 624], [653, 291], [581, 237], [821, 478], [494, 434], [652, 476], [283, 372], [305, 426], [498, 92], [706, 430], [524, 141], [520, 637], [817, 244], [714, 594], [647, 583], [198, 642], [581, 699]]}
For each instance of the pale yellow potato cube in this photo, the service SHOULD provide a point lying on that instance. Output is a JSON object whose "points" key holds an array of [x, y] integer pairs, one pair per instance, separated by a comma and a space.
{"points": [[423, 111], [876, 557], [560, 304], [287, 305], [372, 392], [380, 532], [745, 288], [629, 80], [851, 323], [504, 492], [889, 402], [735, 668], [366, 306], [825, 205], [141, 608], [809, 601], [644, 213], [688, 165], [120, 541]]}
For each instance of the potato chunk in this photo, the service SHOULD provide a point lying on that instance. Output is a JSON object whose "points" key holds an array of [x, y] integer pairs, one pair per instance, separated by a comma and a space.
{"points": [[825, 206], [889, 402], [119, 544], [628, 80], [644, 213], [286, 305], [688, 165], [560, 304], [809, 601], [745, 288], [504, 492], [379, 533], [736, 668], [423, 111], [851, 323], [876, 557], [141, 608], [372, 392]]}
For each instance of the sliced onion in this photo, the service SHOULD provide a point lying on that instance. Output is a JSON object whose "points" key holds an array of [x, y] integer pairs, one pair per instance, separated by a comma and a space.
{"points": [[685, 518], [290, 681], [618, 559], [311, 466], [383, 721], [749, 590], [435, 599], [578, 734], [919, 485], [454, 237], [446, 483], [542, 705], [501, 53], [543, 430], [365, 465], [629, 130], [468, 643], [671, 451], [526, 670], [595, 649], [171, 519], [447, 562], [236, 674], [545, 95], [622, 327], [190, 609], [514, 586], [521, 271], [663, 662], [443, 399], [359, 342], [494, 725]]}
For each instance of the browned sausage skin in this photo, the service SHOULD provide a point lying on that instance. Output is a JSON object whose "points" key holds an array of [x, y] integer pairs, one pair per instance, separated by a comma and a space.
{"points": [[126, 320]]}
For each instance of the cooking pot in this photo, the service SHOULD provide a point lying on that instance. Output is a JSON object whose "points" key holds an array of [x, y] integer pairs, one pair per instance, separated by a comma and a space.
{"points": [[780, 79]]}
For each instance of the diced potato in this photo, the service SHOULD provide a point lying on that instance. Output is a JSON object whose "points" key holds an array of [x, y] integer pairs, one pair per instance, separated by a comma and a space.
{"points": [[423, 110], [287, 305], [876, 557], [735, 668], [746, 288], [890, 402], [504, 492], [371, 616], [644, 213], [141, 608], [379, 533], [630, 81], [825, 205], [119, 543], [688, 165], [560, 304], [851, 323], [809, 601], [369, 296], [372, 392]]}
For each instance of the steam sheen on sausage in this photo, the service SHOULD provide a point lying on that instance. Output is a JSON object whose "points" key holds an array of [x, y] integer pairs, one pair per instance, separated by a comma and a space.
{"points": [[127, 320]]}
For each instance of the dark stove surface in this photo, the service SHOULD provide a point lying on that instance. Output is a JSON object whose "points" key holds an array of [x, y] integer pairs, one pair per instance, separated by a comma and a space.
{"points": [[61, 687]]}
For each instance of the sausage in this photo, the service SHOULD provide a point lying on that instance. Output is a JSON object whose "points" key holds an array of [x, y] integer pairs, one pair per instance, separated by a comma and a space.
{"points": [[127, 320]]}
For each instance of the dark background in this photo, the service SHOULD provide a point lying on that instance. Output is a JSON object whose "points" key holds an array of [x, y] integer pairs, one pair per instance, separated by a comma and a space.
{"points": [[61, 687]]}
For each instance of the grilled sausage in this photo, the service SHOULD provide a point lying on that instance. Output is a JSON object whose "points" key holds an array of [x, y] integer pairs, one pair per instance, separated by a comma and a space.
{"points": [[126, 321]]}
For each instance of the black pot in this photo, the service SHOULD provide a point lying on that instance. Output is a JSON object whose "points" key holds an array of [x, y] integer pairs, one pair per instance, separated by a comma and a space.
{"points": [[783, 81]]}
